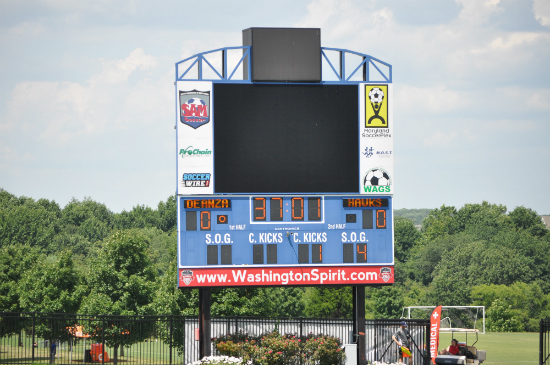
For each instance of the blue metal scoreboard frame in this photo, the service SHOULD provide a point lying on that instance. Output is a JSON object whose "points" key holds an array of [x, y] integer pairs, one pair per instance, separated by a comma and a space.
{"points": [[229, 236]]}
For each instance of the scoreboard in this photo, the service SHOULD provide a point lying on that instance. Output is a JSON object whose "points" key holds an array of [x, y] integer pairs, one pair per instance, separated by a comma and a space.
{"points": [[284, 183]]}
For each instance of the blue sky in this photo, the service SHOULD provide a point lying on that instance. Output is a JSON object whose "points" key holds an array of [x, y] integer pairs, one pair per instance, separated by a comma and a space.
{"points": [[87, 103]]}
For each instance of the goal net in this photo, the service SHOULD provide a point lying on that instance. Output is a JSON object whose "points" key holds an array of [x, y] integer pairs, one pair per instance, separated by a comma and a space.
{"points": [[468, 318]]}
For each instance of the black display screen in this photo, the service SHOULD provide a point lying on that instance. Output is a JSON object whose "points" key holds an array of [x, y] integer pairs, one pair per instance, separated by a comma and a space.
{"points": [[286, 138]]}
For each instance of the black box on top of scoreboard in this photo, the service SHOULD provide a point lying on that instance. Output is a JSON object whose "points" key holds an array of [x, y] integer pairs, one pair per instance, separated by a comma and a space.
{"points": [[284, 54]]}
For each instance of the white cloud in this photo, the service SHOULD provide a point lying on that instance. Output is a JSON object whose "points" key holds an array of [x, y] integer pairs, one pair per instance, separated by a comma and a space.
{"points": [[119, 70], [440, 139], [32, 29], [541, 8], [434, 99], [478, 11], [65, 111]]}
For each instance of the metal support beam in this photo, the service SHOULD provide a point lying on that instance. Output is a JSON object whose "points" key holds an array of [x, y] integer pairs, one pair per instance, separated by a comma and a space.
{"points": [[204, 323], [359, 323]]}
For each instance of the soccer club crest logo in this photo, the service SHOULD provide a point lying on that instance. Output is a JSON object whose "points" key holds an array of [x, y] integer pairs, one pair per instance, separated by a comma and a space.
{"points": [[376, 106], [195, 108], [187, 276], [385, 274]]}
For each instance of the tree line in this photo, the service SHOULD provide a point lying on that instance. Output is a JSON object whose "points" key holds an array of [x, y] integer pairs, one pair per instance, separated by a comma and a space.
{"points": [[83, 258]]}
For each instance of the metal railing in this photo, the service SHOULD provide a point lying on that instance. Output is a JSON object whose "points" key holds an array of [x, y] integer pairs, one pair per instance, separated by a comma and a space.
{"points": [[233, 64], [27, 338]]}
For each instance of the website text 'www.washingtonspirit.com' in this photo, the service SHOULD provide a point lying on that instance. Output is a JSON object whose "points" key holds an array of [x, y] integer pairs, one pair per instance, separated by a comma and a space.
{"points": [[341, 275]]}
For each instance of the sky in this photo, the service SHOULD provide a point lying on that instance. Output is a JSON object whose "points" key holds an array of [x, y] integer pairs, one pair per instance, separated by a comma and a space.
{"points": [[87, 92]]}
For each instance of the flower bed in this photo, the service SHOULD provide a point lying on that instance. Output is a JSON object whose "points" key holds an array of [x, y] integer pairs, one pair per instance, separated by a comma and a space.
{"points": [[276, 349]]}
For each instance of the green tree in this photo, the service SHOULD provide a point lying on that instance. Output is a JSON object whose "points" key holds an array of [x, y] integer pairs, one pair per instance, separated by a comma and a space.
{"points": [[387, 302], [328, 302], [15, 262], [87, 218], [526, 299], [167, 214], [286, 301], [502, 318], [140, 216], [406, 235], [25, 221], [476, 263], [414, 215], [52, 285], [121, 281], [528, 219]]}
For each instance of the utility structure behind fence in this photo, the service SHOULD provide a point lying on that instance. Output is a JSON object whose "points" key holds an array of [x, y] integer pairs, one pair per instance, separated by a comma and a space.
{"points": [[544, 344], [27, 338]]}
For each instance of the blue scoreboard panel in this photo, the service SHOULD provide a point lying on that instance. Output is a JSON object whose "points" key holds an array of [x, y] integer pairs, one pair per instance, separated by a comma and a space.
{"points": [[284, 184]]}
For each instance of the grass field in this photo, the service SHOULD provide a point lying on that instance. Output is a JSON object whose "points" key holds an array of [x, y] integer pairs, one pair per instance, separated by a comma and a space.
{"points": [[502, 348]]}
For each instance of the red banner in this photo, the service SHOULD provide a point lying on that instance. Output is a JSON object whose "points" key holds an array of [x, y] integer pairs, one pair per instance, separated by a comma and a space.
{"points": [[435, 322], [276, 276]]}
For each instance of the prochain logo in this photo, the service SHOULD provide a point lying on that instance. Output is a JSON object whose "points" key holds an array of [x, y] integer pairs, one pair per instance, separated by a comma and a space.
{"points": [[194, 152]]}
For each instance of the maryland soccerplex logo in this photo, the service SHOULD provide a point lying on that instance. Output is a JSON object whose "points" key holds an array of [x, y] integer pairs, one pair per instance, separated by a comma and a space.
{"points": [[195, 108], [376, 106], [377, 180]]}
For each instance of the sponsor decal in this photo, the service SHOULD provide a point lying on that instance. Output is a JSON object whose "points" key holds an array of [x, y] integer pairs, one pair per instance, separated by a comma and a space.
{"points": [[384, 154], [369, 152], [375, 133], [186, 277], [195, 108], [385, 274], [377, 180], [193, 180], [376, 106], [316, 275], [194, 152]]}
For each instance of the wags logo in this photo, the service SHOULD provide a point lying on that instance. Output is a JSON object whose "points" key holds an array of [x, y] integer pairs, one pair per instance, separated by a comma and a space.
{"points": [[195, 108], [196, 180], [194, 152], [377, 180]]}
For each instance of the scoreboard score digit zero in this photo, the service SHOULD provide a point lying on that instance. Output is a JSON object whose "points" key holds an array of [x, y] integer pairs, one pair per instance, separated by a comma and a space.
{"points": [[284, 183]]}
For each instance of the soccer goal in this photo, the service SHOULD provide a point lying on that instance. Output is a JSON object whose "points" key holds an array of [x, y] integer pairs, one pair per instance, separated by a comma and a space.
{"points": [[467, 318]]}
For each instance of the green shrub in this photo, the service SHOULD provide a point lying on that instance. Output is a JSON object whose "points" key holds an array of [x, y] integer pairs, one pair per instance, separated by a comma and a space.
{"points": [[276, 349]]}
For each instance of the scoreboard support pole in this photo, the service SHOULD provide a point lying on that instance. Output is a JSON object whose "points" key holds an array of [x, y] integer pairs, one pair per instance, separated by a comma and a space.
{"points": [[359, 323], [204, 322]]}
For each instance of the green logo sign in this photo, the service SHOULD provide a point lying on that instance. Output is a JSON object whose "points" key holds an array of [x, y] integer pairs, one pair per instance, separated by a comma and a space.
{"points": [[194, 152]]}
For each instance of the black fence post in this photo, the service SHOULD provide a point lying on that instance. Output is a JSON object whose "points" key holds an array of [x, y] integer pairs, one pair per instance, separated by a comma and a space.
{"points": [[103, 337], [170, 339], [301, 323], [33, 332], [541, 341]]}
